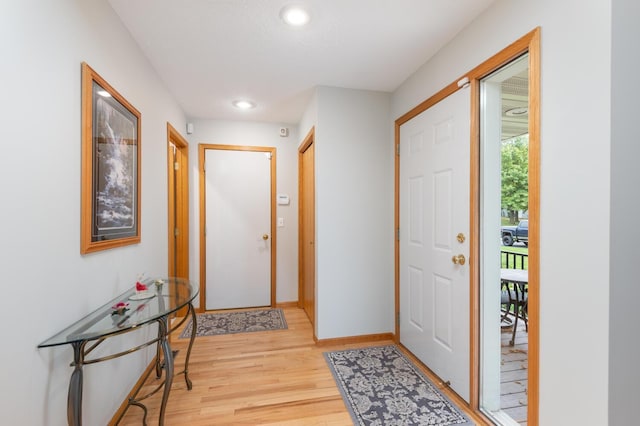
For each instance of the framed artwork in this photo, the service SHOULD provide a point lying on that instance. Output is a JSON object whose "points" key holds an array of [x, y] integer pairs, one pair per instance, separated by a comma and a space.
{"points": [[110, 197]]}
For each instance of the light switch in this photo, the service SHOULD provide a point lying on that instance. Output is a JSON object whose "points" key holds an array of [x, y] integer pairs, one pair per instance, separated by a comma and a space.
{"points": [[280, 222]]}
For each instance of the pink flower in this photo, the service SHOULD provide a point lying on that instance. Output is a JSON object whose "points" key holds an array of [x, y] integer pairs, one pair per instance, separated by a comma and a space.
{"points": [[119, 308]]}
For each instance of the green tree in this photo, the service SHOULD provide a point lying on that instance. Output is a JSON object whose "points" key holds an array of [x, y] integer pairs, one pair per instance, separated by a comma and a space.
{"points": [[515, 175]]}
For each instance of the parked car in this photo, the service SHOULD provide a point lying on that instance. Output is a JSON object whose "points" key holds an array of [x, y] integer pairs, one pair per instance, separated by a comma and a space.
{"points": [[513, 234]]}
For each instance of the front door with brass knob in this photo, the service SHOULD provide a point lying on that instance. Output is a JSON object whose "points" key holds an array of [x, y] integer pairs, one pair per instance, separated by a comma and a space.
{"points": [[434, 221], [459, 259]]}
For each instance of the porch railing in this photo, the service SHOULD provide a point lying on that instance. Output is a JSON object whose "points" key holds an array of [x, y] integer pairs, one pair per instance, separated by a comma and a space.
{"points": [[513, 260]]}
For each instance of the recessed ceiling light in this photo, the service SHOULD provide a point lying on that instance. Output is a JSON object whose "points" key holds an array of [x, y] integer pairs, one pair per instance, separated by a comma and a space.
{"points": [[244, 104], [295, 16]]}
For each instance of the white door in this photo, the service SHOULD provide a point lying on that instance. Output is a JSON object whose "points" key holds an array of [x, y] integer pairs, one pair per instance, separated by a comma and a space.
{"points": [[434, 209], [238, 228]]}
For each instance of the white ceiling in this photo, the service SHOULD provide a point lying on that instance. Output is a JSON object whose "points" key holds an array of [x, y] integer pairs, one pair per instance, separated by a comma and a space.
{"points": [[212, 52]]}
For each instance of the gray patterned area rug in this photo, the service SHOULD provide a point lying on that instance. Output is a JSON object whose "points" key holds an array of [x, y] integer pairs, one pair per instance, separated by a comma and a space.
{"points": [[236, 322], [380, 386]]}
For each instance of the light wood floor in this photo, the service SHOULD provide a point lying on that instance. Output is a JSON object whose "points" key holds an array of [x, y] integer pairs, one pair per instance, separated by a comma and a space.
{"points": [[268, 378]]}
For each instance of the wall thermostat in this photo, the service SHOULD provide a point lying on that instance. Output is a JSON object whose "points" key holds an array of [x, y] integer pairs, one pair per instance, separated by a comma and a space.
{"points": [[283, 200], [284, 132]]}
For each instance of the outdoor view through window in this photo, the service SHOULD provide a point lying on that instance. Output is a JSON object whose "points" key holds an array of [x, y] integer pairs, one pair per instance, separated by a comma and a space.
{"points": [[504, 248]]}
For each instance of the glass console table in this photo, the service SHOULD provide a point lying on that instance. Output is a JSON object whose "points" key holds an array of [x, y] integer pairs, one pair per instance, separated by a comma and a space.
{"points": [[163, 298]]}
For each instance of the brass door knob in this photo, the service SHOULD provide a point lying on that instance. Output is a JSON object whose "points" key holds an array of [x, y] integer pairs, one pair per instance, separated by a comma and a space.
{"points": [[265, 237], [459, 259]]}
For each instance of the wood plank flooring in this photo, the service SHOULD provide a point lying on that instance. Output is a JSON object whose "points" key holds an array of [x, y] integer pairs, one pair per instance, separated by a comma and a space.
{"points": [[269, 378], [513, 374]]}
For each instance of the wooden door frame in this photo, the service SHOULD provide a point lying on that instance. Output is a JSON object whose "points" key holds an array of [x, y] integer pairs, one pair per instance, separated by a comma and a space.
{"points": [[529, 43], [306, 143], [203, 212], [178, 206]]}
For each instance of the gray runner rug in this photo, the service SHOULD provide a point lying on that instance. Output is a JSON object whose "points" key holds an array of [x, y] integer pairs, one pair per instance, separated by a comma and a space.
{"points": [[236, 322], [380, 386]]}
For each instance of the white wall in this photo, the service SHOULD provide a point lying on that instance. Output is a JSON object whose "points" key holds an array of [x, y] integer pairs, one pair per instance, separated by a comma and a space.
{"points": [[309, 118], [575, 129], [46, 283], [255, 134], [624, 344], [354, 210]]}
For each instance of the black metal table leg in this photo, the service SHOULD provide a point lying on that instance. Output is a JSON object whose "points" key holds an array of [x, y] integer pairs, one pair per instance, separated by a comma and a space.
{"points": [[168, 366], [516, 307], [192, 311], [74, 398]]}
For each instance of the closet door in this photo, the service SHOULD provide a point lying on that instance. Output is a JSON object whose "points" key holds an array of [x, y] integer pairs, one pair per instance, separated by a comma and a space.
{"points": [[238, 228]]}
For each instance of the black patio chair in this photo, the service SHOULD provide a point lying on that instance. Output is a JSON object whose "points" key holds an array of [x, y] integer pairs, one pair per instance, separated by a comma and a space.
{"points": [[514, 303]]}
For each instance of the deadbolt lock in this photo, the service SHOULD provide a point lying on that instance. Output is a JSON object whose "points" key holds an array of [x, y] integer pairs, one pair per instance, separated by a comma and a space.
{"points": [[460, 237]]}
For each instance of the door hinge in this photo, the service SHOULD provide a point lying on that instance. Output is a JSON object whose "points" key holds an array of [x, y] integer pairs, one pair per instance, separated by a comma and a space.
{"points": [[398, 318], [397, 234], [176, 232], [398, 149], [176, 166]]}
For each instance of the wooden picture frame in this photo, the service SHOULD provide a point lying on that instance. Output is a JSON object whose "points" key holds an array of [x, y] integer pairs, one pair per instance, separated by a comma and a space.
{"points": [[110, 186]]}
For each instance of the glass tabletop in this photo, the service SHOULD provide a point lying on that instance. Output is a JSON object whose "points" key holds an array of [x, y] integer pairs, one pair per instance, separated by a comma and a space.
{"points": [[163, 296]]}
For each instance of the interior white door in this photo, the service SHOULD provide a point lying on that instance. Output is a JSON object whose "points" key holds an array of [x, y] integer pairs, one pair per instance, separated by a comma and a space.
{"points": [[434, 209], [238, 228]]}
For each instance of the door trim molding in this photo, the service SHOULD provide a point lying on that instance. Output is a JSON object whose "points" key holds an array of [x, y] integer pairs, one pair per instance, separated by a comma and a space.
{"points": [[202, 211], [178, 206], [306, 143], [529, 43]]}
